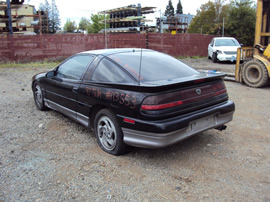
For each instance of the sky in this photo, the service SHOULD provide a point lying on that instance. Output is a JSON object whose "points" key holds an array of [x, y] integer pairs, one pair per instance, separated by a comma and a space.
{"points": [[75, 10]]}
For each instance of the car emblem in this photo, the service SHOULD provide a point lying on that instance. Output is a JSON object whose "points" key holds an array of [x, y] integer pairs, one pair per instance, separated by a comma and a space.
{"points": [[198, 91]]}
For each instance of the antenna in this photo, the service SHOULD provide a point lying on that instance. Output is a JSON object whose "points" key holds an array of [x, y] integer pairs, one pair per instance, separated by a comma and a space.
{"points": [[140, 68]]}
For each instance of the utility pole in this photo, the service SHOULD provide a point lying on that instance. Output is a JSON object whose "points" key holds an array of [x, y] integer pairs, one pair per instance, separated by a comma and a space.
{"points": [[223, 28], [161, 22], [47, 21], [105, 31], [9, 17], [139, 14]]}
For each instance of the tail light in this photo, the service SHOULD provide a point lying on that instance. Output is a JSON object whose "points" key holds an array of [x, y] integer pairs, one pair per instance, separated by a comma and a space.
{"points": [[177, 98]]}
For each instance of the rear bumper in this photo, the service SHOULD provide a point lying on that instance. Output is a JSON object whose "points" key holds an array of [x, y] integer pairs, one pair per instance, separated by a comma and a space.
{"points": [[187, 126]]}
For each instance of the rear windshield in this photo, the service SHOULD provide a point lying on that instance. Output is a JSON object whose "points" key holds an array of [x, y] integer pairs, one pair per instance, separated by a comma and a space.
{"points": [[155, 66]]}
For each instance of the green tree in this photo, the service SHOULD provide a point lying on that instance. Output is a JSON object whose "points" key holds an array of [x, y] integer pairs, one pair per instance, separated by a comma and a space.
{"points": [[70, 26], [169, 9], [242, 20], [97, 23], [179, 8], [209, 18], [239, 17], [84, 24]]}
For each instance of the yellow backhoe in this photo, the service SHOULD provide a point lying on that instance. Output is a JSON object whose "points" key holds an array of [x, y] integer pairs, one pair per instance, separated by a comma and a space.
{"points": [[254, 70]]}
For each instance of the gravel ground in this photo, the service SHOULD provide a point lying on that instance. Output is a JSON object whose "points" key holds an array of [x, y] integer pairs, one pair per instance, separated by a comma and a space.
{"points": [[44, 156]]}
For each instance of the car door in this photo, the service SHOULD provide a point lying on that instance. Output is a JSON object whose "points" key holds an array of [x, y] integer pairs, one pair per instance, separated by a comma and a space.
{"points": [[61, 93]]}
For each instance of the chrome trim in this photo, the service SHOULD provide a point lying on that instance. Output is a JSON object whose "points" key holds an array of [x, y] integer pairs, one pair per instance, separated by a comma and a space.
{"points": [[158, 140], [46, 103], [63, 110], [82, 119]]}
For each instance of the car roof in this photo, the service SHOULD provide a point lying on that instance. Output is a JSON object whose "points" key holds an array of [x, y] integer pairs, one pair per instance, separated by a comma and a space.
{"points": [[111, 51]]}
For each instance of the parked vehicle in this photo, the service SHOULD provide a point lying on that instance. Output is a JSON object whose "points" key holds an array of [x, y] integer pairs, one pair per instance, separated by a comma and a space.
{"points": [[255, 69], [134, 97], [223, 49]]}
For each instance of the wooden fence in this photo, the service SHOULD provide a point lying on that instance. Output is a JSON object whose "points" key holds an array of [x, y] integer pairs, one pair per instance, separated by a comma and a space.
{"points": [[40, 47]]}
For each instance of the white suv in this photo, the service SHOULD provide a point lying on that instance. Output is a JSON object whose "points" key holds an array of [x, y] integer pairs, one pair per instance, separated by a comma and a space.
{"points": [[223, 49]]}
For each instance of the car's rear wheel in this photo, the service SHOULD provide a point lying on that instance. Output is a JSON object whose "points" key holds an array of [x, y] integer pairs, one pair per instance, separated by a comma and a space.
{"points": [[214, 57], [38, 97], [108, 133]]}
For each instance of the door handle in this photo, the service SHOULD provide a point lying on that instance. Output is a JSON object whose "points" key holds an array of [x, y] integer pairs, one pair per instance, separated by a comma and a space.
{"points": [[75, 89]]}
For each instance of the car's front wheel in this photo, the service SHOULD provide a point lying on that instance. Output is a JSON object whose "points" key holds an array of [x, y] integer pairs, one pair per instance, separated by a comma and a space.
{"points": [[38, 97], [108, 133], [214, 57]]}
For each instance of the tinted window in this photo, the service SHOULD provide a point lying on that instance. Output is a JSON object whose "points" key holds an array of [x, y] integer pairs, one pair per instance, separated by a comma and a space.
{"points": [[106, 71], [74, 67], [155, 66], [226, 42]]}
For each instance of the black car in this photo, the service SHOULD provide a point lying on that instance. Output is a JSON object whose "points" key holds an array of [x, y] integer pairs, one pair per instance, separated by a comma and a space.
{"points": [[134, 97]]}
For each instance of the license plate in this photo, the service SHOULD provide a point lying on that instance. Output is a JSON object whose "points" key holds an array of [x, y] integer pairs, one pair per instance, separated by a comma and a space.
{"points": [[203, 123]]}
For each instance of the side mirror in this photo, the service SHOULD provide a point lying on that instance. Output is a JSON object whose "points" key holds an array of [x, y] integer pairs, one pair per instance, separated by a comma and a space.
{"points": [[241, 44], [50, 74]]}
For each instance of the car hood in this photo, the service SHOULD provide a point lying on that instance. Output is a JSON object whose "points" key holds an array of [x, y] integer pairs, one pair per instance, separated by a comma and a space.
{"points": [[39, 75]]}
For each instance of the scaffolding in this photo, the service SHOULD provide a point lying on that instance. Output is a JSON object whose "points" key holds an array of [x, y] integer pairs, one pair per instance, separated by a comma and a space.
{"points": [[19, 18], [128, 19], [178, 23]]}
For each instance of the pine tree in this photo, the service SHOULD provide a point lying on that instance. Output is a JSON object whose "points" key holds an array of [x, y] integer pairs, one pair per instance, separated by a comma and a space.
{"points": [[169, 9], [55, 20], [70, 26], [179, 9], [53, 15]]}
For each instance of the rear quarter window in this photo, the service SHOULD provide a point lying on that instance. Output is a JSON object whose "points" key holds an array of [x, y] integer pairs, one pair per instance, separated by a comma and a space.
{"points": [[155, 66], [107, 71]]}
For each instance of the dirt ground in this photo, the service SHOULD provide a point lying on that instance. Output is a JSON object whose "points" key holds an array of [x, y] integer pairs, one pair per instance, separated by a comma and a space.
{"points": [[44, 156]]}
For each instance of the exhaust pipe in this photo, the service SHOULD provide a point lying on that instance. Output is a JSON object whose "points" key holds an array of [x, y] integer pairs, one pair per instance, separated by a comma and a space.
{"points": [[221, 128]]}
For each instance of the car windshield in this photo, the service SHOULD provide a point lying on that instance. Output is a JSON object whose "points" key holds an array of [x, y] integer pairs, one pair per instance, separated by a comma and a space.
{"points": [[226, 42], [154, 66]]}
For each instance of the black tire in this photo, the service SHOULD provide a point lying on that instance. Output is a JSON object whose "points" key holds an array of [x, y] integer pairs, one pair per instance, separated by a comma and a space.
{"points": [[108, 133], [38, 97], [209, 57], [254, 74], [214, 57]]}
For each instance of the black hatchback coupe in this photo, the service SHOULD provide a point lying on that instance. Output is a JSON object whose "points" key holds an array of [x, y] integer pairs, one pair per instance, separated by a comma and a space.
{"points": [[136, 97]]}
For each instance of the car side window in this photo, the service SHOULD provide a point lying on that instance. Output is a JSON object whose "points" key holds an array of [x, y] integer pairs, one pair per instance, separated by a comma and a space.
{"points": [[212, 42], [74, 67], [107, 71]]}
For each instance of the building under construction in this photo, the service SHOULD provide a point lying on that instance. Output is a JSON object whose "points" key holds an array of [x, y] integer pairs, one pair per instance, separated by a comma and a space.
{"points": [[177, 24], [129, 19], [19, 18]]}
